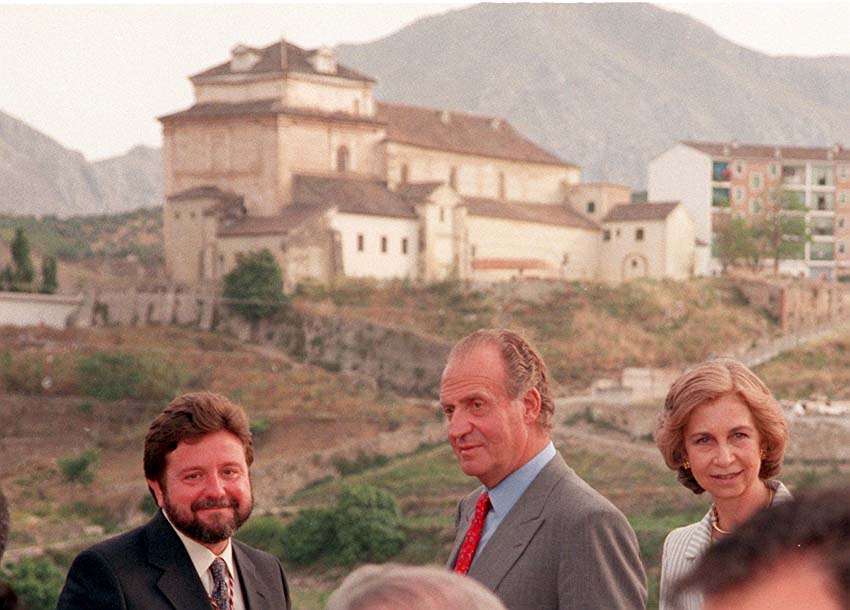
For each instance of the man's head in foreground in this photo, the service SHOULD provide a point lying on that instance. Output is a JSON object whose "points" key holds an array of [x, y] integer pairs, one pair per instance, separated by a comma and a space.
{"points": [[793, 556], [391, 587], [198, 453], [496, 397]]}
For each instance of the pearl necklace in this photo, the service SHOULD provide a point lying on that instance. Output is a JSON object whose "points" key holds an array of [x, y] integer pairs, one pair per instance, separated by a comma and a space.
{"points": [[715, 519]]}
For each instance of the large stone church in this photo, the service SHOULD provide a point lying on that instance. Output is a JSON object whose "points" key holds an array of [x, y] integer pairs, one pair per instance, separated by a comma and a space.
{"points": [[286, 149]]}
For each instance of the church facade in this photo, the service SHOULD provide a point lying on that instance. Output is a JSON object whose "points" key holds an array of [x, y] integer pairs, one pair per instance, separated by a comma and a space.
{"points": [[288, 150]]}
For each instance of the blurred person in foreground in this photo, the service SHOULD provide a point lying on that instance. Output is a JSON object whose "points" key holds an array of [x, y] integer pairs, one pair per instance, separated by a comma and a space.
{"points": [[723, 433], [397, 587], [535, 533], [792, 556], [8, 599], [197, 458]]}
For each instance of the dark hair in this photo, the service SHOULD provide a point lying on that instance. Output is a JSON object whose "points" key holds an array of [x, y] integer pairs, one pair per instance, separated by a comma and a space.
{"points": [[8, 599], [188, 418], [524, 367], [815, 524], [708, 382]]}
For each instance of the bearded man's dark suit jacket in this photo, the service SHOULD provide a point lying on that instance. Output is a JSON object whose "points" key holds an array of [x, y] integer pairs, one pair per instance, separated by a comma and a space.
{"points": [[563, 546], [149, 569]]}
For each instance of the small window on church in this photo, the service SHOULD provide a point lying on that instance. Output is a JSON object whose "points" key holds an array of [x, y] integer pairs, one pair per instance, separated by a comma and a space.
{"points": [[606, 235], [404, 245], [591, 207], [342, 159], [384, 244], [638, 234], [360, 242]]}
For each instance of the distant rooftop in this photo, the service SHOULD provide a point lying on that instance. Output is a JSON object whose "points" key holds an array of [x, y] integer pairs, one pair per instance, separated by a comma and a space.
{"points": [[734, 149]]}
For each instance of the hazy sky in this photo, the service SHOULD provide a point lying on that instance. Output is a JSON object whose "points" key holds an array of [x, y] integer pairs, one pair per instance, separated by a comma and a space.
{"points": [[95, 77]]}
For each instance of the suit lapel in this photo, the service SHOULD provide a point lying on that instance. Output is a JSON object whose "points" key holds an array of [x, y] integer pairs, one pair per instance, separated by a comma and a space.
{"points": [[466, 509], [256, 595], [179, 581], [518, 528]]}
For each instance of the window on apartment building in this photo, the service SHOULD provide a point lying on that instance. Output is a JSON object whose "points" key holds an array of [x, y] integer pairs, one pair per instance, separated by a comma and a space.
{"points": [[383, 244], [453, 178], [739, 168], [639, 234], [404, 245], [774, 170], [739, 194], [755, 181], [720, 171], [842, 171], [842, 198], [755, 206], [502, 186], [591, 207], [771, 195], [360, 241], [841, 247], [342, 158], [823, 176], [606, 235], [841, 223]]}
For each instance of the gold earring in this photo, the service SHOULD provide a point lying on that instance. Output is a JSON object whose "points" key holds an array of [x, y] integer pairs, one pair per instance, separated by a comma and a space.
{"points": [[686, 465], [763, 454]]}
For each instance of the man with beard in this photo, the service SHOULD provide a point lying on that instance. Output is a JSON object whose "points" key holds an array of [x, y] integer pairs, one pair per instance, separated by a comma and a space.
{"points": [[197, 457]]}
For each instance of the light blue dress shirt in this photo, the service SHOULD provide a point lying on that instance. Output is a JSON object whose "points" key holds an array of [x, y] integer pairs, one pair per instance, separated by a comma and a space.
{"points": [[509, 490]]}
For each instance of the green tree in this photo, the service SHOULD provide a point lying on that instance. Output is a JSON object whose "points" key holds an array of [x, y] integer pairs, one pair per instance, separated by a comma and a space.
{"points": [[36, 580], [782, 233], [734, 242], [23, 271], [254, 289], [49, 280]]}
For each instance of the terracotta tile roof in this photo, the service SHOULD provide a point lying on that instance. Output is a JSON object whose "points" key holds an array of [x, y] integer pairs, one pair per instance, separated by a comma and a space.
{"points": [[551, 214], [281, 57], [351, 194], [520, 264], [626, 212], [269, 107], [289, 218], [418, 191], [462, 133], [764, 151], [229, 204]]}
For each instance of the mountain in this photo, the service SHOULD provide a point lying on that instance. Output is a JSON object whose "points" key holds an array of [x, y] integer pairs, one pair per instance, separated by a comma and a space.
{"points": [[608, 86], [39, 176]]}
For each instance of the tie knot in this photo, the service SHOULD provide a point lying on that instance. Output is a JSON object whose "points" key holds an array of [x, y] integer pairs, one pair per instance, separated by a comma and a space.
{"points": [[218, 569], [483, 504]]}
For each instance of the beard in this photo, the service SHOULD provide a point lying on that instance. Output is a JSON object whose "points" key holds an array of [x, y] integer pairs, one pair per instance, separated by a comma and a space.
{"points": [[222, 528]]}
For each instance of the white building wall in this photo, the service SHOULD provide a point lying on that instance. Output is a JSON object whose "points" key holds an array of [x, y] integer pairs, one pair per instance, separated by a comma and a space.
{"points": [[371, 262], [684, 174], [623, 247], [680, 245], [26, 309], [239, 91], [328, 95], [501, 238]]}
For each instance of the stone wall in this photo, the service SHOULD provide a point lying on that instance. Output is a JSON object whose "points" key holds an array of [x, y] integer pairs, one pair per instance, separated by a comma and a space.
{"points": [[800, 304]]}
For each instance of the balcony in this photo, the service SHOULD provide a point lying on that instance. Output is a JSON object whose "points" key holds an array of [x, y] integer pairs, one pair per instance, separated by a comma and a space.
{"points": [[794, 174], [822, 226], [720, 171], [823, 202], [822, 251], [793, 200], [823, 176], [719, 198]]}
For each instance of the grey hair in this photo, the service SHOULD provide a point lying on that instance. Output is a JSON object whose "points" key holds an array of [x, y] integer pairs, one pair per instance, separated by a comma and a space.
{"points": [[393, 586]]}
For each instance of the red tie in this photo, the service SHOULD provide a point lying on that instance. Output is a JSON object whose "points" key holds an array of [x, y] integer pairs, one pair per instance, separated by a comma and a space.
{"points": [[473, 535]]}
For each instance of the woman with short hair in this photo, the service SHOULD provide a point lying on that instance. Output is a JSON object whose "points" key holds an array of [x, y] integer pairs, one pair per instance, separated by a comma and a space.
{"points": [[723, 433]]}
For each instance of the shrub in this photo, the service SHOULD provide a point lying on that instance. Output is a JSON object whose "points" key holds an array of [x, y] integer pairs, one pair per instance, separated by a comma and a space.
{"points": [[79, 468], [310, 535], [362, 462], [23, 373], [254, 289], [364, 525], [37, 582], [266, 533], [113, 376], [260, 426]]}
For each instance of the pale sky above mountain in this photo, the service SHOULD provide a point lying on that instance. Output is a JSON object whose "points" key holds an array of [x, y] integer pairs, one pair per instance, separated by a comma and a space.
{"points": [[95, 77]]}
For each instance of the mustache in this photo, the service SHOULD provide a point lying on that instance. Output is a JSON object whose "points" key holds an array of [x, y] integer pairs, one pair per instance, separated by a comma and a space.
{"points": [[215, 503]]}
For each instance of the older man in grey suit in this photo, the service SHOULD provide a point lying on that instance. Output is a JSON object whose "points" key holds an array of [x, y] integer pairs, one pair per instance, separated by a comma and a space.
{"points": [[535, 533]]}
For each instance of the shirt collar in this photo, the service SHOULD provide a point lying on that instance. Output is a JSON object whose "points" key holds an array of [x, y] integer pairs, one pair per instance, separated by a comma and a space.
{"points": [[200, 555], [506, 493]]}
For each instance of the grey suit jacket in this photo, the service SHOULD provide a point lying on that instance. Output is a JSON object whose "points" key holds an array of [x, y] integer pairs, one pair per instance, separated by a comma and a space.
{"points": [[683, 546], [563, 546], [149, 569]]}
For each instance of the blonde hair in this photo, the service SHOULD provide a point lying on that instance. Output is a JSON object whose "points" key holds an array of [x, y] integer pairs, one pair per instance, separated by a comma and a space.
{"points": [[705, 383]]}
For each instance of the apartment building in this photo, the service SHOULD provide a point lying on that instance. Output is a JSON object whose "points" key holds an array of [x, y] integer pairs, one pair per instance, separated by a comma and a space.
{"points": [[714, 180]]}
